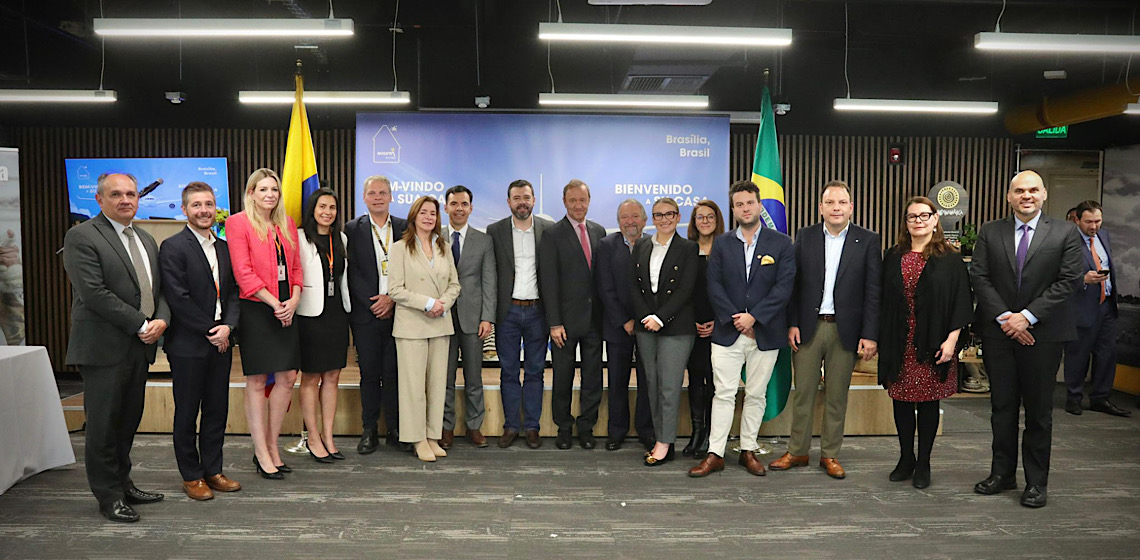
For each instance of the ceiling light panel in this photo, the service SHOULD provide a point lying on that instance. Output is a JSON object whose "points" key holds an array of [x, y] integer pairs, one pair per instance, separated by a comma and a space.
{"points": [[236, 27], [665, 34], [916, 106], [1057, 42], [623, 100], [326, 97], [57, 96]]}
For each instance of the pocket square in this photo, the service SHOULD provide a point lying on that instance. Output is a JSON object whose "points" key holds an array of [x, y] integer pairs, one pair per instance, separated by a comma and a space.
{"points": [[767, 260]]}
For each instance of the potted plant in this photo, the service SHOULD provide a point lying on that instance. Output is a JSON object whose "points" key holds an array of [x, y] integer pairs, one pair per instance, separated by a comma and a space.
{"points": [[968, 238]]}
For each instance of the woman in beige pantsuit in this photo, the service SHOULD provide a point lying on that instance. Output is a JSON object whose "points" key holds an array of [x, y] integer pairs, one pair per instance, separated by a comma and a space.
{"points": [[423, 283]]}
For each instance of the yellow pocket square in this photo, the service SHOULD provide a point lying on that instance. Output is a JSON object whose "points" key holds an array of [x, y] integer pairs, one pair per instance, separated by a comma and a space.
{"points": [[767, 260]]}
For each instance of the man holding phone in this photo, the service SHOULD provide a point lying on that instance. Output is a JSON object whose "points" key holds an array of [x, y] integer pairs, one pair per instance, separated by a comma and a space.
{"points": [[1095, 305]]}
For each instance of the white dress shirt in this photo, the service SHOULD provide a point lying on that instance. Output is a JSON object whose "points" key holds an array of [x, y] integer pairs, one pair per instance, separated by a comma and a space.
{"points": [[207, 244], [381, 233], [462, 235], [832, 252], [526, 264], [656, 259], [1102, 254], [1017, 233], [749, 249]]}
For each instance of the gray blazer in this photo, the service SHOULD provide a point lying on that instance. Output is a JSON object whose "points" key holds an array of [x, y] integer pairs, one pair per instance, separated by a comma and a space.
{"points": [[105, 316], [504, 244], [476, 278]]}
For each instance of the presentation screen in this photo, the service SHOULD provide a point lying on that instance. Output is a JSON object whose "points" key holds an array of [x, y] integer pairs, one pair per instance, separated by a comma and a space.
{"points": [[165, 201], [619, 157]]}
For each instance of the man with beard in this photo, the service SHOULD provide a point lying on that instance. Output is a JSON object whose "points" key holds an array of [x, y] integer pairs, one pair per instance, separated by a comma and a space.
{"points": [[520, 320]]}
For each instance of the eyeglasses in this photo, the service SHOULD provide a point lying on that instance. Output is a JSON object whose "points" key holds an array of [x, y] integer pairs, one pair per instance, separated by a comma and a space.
{"points": [[670, 214], [920, 217], [705, 218]]}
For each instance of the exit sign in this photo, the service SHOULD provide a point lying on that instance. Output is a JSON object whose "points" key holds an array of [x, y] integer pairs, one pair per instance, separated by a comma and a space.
{"points": [[1055, 132]]}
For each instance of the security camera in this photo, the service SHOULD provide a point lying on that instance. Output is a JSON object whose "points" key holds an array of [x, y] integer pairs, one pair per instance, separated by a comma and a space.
{"points": [[175, 97], [783, 108], [483, 101]]}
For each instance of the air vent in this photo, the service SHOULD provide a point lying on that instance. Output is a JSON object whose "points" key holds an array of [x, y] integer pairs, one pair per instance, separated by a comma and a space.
{"points": [[663, 84]]}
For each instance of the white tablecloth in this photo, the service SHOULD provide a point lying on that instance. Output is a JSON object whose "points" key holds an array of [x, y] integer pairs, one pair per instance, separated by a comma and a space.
{"points": [[33, 434]]}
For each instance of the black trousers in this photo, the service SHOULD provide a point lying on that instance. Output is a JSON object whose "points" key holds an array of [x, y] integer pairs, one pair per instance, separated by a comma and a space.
{"points": [[1022, 376], [1097, 342], [201, 384], [113, 402], [619, 357], [376, 353], [590, 346]]}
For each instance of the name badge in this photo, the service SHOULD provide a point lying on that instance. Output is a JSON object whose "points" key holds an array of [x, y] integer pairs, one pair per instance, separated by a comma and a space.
{"points": [[280, 273], [332, 288], [384, 267]]}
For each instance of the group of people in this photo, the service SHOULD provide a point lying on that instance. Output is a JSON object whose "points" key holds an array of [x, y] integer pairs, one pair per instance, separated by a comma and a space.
{"points": [[419, 298]]}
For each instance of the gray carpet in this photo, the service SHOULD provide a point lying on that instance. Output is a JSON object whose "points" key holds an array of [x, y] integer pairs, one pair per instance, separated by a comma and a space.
{"points": [[519, 503]]}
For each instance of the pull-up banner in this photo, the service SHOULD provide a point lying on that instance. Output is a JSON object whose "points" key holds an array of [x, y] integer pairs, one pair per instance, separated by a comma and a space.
{"points": [[619, 157]]}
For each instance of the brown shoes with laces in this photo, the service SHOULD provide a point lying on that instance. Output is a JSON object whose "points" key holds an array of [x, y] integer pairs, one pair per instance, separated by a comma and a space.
{"points": [[222, 483], [447, 439], [476, 438], [834, 470], [197, 490], [749, 461], [711, 463], [788, 461]]}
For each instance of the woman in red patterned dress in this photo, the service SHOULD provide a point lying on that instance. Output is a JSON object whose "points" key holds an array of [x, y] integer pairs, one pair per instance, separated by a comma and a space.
{"points": [[926, 304]]}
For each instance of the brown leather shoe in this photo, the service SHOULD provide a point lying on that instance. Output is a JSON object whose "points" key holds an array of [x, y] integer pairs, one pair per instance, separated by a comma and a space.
{"points": [[508, 438], [477, 438], [533, 440], [222, 483], [788, 461], [197, 490], [447, 439], [834, 470], [749, 461], [711, 463]]}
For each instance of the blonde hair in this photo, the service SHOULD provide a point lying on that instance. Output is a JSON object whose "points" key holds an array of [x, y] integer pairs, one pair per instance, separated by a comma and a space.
{"points": [[276, 216]]}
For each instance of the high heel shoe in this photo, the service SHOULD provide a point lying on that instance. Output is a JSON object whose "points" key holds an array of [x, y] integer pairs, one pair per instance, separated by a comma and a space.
{"points": [[283, 468], [326, 459], [436, 449], [336, 455], [269, 475], [424, 452], [651, 461]]}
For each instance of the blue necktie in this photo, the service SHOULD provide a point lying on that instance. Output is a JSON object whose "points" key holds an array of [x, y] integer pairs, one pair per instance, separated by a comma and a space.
{"points": [[1022, 249], [455, 246]]}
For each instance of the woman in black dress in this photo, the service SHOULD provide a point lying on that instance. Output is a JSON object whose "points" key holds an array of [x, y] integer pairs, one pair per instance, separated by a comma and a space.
{"points": [[705, 224], [323, 320], [926, 306]]}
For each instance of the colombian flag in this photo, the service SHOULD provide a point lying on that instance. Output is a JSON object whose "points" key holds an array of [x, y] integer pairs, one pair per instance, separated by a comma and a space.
{"points": [[766, 174], [299, 174]]}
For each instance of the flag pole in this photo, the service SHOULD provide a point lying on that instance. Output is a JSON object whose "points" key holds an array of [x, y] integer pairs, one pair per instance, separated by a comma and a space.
{"points": [[302, 445]]}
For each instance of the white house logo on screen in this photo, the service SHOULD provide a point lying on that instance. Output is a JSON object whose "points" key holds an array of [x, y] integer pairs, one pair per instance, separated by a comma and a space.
{"points": [[385, 147], [82, 172]]}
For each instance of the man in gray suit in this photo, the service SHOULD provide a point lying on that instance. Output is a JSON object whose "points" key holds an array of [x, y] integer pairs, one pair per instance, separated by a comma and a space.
{"points": [[474, 258], [117, 315]]}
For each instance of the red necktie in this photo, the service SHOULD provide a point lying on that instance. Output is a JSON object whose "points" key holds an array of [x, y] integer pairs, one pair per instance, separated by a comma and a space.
{"points": [[1096, 262], [585, 243]]}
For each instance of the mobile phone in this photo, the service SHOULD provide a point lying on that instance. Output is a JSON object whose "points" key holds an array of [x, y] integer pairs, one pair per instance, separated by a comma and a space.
{"points": [[1105, 271]]}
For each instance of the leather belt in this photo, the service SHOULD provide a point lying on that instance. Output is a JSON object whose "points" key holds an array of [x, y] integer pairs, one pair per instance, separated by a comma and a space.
{"points": [[525, 302], [827, 318]]}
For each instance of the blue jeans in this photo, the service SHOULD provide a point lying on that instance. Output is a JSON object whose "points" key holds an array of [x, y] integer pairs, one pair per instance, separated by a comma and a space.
{"points": [[528, 326]]}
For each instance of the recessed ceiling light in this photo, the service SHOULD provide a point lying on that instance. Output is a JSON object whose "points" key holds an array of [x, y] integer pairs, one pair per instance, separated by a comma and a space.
{"points": [[222, 27], [916, 106]]}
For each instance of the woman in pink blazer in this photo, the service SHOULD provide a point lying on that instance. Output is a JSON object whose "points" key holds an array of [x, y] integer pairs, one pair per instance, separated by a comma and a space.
{"points": [[267, 266]]}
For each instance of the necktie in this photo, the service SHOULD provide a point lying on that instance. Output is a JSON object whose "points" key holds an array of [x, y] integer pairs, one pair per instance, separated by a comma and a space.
{"points": [[455, 246], [585, 243], [1096, 262], [1022, 249], [146, 305]]}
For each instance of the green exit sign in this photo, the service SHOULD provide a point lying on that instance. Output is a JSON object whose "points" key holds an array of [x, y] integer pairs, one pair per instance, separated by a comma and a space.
{"points": [[1055, 132]]}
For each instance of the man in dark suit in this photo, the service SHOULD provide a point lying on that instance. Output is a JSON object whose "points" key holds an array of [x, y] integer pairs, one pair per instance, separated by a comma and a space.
{"points": [[1024, 269], [474, 313], [117, 315], [370, 238], [1094, 302], [520, 321], [750, 277], [833, 319], [203, 297], [613, 276], [574, 313]]}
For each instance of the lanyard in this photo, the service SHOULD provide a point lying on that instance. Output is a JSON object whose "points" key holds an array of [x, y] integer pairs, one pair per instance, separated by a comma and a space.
{"points": [[330, 259], [383, 245]]}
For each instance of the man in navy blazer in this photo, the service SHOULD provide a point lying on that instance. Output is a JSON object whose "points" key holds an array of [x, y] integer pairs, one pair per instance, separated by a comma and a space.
{"points": [[613, 277], [203, 297], [750, 276], [1094, 302], [370, 238]]}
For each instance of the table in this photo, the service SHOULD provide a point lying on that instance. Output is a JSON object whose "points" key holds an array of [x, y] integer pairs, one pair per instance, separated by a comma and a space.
{"points": [[33, 434]]}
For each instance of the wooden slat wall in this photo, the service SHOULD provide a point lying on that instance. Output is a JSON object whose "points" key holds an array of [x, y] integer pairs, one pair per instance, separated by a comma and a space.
{"points": [[982, 165]]}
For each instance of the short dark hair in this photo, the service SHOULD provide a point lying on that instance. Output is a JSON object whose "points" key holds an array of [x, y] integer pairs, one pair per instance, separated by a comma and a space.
{"points": [[195, 187], [835, 183], [1087, 206], [573, 184], [743, 186], [518, 184], [459, 189]]}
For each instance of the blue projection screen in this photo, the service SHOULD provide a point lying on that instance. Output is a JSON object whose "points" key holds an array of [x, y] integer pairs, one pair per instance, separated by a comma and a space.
{"points": [[620, 157], [165, 201]]}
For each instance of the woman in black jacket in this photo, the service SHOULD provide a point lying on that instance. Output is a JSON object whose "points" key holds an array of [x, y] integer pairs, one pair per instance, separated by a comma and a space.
{"points": [[706, 223], [926, 305]]}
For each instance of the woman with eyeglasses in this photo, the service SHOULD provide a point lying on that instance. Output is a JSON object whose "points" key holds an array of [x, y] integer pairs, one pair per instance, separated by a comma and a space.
{"points": [[706, 223], [664, 273], [926, 305]]}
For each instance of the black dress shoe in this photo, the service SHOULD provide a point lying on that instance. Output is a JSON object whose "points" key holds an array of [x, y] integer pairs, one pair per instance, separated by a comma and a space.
{"points": [[563, 441], [613, 444], [369, 439], [1108, 408], [392, 438], [587, 441], [135, 496], [921, 476], [326, 459], [119, 512], [994, 484], [1073, 406], [1033, 497], [337, 455], [284, 468], [648, 442], [903, 470], [276, 475]]}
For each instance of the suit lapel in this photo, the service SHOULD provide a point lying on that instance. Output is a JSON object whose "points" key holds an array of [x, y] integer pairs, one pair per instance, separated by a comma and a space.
{"points": [[1044, 225], [1088, 254], [672, 254], [195, 249], [432, 271], [849, 244], [365, 229], [103, 225], [1005, 238]]}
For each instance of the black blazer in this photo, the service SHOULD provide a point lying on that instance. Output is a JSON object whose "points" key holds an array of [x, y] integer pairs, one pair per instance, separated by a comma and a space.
{"points": [[502, 239], [1053, 265], [189, 287], [363, 277], [611, 265], [568, 292], [673, 302], [856, 291], [942, 303], [1086, 297]]}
